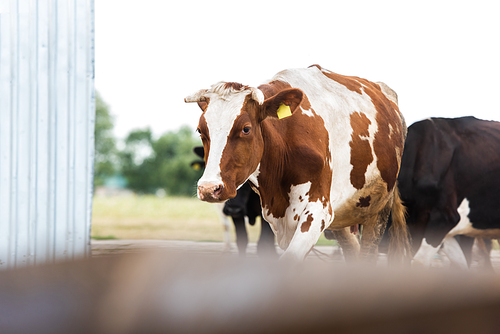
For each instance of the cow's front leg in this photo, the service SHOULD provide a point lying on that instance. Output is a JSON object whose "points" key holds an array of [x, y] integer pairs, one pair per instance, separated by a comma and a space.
{"points": [[311, 223], [425, 253], [452, 249]]}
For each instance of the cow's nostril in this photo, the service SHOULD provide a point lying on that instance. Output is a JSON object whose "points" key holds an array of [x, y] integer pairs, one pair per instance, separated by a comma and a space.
{"points": [[218, 190]]}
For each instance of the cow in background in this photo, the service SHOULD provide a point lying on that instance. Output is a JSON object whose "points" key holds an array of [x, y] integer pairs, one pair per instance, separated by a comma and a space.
{"points": [[449, 182], [199, 165], [321, 149], [245, 206]]}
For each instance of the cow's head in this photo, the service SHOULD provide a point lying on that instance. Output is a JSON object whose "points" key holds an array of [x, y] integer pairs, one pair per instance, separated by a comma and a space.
{"points": [[231, 134], [238, 206]]}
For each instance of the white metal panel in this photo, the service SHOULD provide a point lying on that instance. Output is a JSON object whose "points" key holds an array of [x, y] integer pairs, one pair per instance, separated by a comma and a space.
{"points": [[47, 117]]}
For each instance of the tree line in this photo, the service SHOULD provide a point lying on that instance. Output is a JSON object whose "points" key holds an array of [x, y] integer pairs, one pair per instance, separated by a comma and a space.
{"points": [[148, 164]]}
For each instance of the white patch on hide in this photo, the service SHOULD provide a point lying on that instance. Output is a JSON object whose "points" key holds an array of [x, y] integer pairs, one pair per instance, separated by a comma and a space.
{"points": [[464, 226]]}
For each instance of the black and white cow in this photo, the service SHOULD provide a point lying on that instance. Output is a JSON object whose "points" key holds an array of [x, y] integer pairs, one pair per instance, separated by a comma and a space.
{"points": [[449, 182], [246, 204]]}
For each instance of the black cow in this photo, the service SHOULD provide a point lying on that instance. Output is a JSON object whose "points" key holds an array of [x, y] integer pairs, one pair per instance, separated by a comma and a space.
{"points": [[245, 204], [451, 165]]}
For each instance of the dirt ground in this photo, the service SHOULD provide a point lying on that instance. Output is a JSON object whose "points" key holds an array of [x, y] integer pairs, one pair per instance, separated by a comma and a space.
{"points": [[320, 253]]}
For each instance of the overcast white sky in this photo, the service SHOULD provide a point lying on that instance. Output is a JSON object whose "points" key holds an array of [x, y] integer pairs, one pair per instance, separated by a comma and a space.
{"points": [[441, 57]]}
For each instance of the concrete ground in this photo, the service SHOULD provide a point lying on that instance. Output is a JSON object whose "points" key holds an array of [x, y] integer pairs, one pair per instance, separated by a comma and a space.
{"points": [[320, 253], [109, 247]]}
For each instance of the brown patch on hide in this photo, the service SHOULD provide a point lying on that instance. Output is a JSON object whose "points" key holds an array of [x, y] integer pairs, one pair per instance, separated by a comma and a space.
{"points": [[351, 83], [364, 202], [235, 86], [389, 139], [361, 151], [307, 224]]}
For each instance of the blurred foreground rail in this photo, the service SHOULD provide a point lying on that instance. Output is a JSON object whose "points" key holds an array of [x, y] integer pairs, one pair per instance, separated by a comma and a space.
{"points": [[167, 291]]}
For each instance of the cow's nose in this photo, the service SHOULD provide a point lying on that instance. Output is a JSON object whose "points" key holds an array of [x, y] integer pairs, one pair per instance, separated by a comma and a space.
{"points": [[210, 192], [232, 211]]}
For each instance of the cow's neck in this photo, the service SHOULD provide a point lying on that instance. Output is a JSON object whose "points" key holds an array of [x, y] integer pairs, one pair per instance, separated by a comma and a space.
{"points": [[273, 166], [272, 169], [292, 156]]}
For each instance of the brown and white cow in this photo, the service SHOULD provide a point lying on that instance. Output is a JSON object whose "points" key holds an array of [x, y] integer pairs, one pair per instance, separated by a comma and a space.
{"points": [[331, 164]]}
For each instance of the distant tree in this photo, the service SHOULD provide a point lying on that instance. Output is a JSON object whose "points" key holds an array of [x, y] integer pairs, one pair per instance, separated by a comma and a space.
{"points": [[174, 154], [105, 143], [165, 163], [137, 162]]}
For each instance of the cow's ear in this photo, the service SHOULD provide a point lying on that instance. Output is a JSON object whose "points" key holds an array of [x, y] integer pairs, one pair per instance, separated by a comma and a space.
{"points": [[203, 104], [282, 104], [200, 98], [199, 151]]}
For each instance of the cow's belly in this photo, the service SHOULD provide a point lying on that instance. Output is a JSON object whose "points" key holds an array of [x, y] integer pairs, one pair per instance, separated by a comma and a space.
{"points": [[361, 205], [466, 227], [469, 230]]}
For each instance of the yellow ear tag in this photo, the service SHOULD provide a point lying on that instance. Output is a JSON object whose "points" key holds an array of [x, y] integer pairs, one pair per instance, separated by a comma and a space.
{"points": [[284, 111]]}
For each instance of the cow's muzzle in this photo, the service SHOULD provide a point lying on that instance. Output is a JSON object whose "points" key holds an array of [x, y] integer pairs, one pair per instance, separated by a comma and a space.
{"points": [[210, 192]]}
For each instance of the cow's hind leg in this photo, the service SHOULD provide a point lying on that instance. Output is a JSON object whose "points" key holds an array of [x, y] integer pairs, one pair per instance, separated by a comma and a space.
{"points": [[485, 246], [348, 242], [373, 229]]}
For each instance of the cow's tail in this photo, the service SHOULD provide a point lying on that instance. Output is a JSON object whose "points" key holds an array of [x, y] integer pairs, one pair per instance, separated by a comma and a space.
{"points": [[399, 245]]}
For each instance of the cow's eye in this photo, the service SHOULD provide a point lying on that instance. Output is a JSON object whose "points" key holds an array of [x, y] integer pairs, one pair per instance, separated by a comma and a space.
{"points": [[246, 130]]}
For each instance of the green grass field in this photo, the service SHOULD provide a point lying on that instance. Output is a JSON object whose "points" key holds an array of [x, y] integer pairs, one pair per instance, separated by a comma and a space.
{"points": [[169, 218]]}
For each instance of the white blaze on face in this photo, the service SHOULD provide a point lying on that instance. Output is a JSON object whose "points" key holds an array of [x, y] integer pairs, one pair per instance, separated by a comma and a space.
{"points": [[220, 116]]}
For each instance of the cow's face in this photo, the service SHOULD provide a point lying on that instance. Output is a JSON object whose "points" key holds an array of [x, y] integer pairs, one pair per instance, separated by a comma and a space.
{"points": [[230, 130]]}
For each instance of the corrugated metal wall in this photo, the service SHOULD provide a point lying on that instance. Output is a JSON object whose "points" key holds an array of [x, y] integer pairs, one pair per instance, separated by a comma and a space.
{"points": [[47, 117]]}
